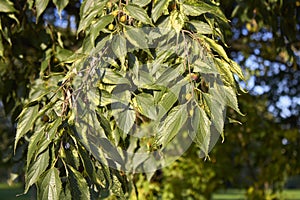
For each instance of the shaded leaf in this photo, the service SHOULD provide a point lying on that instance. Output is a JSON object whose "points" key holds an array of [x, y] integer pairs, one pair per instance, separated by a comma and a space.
{"points": [[50, 186], [36, 169], [78, 185], [201, 125], [172, 124]]}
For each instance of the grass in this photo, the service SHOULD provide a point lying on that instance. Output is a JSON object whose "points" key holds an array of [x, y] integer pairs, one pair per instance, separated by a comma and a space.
{"points": [[11, 192], [234, 194]]}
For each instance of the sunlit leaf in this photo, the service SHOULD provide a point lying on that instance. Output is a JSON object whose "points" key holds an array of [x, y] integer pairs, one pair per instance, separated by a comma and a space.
{"points": [[26, 121], [138, 13], [159, 8], [40, 7], [7, 6]]}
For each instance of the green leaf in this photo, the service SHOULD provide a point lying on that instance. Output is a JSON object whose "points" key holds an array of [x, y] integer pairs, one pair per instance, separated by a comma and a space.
{"points": [[99, 25], [141, 3], [50, 186], [159, 8], [177, 20], [136, 37], [36, 169], [200, 8], [194, 10], [201, 125], [32, 146], [125, 118], [145, 104], [231, 99], [175, 120], [1, 47], [26, 121], [7, 6], [138, 13], [217, 112], [235, 68], [119, 47], [49, 135], [218, 48], [78, 185], [40, 7], [200, 27], [60, 4]]}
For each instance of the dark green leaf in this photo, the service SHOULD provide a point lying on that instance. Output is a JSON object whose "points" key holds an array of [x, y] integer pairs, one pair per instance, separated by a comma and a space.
{"points": [[136, 37], [119, 47], [50, 186], [36, 169], [78, 185]]}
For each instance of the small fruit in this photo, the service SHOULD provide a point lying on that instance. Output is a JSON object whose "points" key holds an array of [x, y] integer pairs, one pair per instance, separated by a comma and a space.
{"points": [[188, 96], [109, 4], [111, 27], [45, 118], [123, 19], [194, 76], [115, 13]]}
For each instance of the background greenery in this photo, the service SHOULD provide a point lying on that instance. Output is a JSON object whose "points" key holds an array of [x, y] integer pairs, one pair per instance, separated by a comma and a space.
{"points": [[258, 156]]}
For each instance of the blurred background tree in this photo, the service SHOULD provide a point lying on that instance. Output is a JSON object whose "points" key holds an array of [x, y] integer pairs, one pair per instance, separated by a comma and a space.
{"points": [[264, 38]]}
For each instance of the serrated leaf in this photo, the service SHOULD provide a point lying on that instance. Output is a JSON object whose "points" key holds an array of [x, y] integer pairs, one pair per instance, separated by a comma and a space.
{"points": [[32, 146], [50, 186], [217, 111], [40, 5], [126, 118], [26, 121], [177, 20], [60, 4], [99, 25], [200, 8], [200, 27], [119, 47], [172, 124], [231, 99], [159, 8], [145, 105], [138, 13], [7, 6], [136, 37], [201, 125], [78, 185], [218, 48], [194, 10], [49, 136], [36, 169], [235, 68]]}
